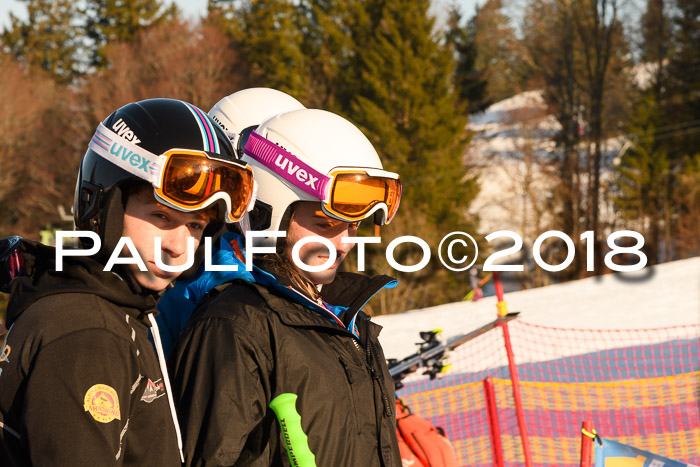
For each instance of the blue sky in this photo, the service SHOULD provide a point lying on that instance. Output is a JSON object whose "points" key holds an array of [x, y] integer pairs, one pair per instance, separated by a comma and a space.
{"points": [[194, 8]]}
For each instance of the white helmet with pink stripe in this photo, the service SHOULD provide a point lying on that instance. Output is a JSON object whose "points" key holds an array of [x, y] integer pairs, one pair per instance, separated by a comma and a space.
{"points": [[315, 155]]}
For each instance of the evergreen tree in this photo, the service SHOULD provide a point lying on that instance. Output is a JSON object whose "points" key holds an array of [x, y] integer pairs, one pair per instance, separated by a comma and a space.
{"points": [[498, 52], [682, 106], [328, 46], [644, 178], [470, 83], [110, 21], [656, 32], [403, 97], [49, 38], [69, 39], [680, 112], [267, 36]]}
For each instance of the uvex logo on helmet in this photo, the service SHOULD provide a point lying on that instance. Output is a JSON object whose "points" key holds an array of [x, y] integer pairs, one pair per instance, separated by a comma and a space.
{"points": [[122, 129], [217, 120], [294, 170]]}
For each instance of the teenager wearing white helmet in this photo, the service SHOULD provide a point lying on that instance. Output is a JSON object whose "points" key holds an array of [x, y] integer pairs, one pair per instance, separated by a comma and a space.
{"points": [[286, 330], [339, 168], [239, 112]]}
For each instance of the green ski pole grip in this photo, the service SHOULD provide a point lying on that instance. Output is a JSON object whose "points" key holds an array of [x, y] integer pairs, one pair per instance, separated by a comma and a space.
{"points": [[295, 439]]}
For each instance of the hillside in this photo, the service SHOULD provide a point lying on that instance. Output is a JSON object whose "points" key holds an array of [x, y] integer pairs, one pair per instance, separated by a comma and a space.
{"points": [[659, 296], [514, 154]]}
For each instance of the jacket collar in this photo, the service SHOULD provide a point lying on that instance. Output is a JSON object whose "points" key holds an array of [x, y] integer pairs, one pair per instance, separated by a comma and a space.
{"points": [[346, 295], [343, 298], [80, 274], [297, 310]]}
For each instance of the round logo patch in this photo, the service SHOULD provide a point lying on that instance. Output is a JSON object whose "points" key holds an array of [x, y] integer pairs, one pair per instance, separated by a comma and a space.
{"points": [[102, 403]]}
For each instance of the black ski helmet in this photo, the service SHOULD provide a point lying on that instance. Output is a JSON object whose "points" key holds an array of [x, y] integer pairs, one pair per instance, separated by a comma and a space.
{"points": [[156, 125]]}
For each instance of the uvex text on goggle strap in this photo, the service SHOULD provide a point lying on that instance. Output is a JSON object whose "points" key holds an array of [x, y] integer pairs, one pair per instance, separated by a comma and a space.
{"points": [[185, 179], [348, 193]]}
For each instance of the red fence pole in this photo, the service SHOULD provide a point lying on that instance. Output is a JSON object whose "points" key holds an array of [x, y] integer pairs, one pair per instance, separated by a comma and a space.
{"points": [[586, 443], [502, 311], [494, 426]]}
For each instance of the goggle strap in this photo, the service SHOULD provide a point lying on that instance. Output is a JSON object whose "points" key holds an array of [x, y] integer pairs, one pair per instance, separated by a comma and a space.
{"points": [[126, 155], [372, 172], [148, 166], [380, 209], [287, 166]]}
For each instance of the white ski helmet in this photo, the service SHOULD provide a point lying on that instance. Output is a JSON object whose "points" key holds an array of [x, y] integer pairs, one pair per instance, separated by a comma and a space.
{"points": [[250, 107], [315, 155]]}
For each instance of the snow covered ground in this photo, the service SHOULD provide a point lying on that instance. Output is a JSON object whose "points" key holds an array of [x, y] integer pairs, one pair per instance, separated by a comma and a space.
{"points": [[513, 197], [515, 156], [659, 296]]}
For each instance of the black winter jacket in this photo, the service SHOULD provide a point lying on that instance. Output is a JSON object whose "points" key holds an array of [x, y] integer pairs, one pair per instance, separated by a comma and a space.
{"points": [[248, 343], [80, 382]]}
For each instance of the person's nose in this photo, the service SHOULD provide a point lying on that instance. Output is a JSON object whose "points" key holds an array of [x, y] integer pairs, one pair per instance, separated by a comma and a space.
{"points": [[174, 241], [341, 247]]}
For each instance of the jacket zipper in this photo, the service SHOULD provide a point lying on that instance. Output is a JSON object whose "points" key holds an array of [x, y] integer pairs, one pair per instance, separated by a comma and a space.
{"points": [[351, 394], [366, 357], [372, 370]]}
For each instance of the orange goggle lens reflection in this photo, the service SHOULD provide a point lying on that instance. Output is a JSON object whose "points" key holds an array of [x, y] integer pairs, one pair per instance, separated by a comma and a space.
{"points": [[191, 179], [353, 195]]}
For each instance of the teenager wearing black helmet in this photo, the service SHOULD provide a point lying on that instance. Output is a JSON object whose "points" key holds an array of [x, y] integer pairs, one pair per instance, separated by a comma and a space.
{"points": [[281, 329], [80, 382]]}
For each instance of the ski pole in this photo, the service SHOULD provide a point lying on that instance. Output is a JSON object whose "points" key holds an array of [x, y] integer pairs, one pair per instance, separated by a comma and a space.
{"points": [[295, 439]]}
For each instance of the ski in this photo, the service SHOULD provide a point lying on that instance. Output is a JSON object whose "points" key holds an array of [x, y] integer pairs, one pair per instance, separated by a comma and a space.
{"points": [[432, 350]]}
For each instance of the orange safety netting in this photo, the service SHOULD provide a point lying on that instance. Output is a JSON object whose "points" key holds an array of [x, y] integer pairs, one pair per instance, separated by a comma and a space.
{"points": [[640, 387]]}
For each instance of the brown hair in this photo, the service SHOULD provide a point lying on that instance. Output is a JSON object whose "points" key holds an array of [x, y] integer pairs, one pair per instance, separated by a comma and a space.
{"points": [[279, 265]]}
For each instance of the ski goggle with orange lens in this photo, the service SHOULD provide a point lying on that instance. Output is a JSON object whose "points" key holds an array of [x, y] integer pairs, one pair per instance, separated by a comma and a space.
{"points": [[357, 193], [184, 179], [348, 193]]}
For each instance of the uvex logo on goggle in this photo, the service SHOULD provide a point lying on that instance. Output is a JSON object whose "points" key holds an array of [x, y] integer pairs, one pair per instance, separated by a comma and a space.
{"points": [[137, 160], [118, 150], [296, 171], [286, 165]]}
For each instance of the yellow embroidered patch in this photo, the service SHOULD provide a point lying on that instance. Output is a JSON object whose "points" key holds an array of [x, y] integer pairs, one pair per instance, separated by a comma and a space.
{"points": [[103, 403]]}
